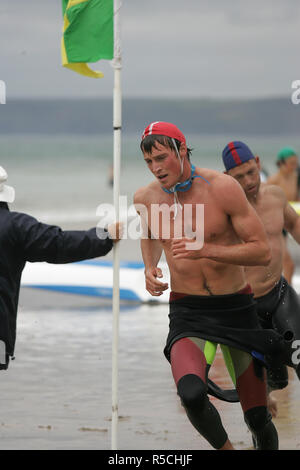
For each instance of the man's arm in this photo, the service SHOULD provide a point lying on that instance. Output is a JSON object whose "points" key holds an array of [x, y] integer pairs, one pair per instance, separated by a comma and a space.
{"points": [[151, 250], [254, 249], [151, 253], [42, 242]]}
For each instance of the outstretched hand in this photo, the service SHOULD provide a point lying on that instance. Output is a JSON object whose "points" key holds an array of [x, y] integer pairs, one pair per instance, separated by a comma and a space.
{"points": [[116, 231]]}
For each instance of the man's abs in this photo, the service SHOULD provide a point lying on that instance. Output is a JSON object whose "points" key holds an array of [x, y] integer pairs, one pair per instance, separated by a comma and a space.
{"points": [[205, 277], [263, 278]]}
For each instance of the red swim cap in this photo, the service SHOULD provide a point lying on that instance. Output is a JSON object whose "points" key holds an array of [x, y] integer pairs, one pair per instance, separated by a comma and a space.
{"points": [[164, 128]]}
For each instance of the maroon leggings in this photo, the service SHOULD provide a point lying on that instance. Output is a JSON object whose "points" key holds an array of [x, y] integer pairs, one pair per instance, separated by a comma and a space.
{"points": [[190, 368], [188, 358]]}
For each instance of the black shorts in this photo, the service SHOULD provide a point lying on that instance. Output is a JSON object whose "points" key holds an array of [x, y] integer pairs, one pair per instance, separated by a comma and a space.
{"points": [[280, 310], [225, 319]]}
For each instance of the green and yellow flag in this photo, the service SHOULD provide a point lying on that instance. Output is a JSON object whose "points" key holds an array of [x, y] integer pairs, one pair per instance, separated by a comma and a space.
{"points": [[88, 34]]}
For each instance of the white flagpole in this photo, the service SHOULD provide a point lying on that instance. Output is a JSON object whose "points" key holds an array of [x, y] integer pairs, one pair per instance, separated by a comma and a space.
{"points": [[117, 124]]}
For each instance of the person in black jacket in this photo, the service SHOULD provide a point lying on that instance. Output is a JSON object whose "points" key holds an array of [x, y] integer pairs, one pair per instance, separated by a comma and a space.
{"points": [[23, 238]]}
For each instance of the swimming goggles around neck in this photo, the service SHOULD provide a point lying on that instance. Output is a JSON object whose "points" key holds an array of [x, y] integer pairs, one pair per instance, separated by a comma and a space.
{"points": [[184, 185]]}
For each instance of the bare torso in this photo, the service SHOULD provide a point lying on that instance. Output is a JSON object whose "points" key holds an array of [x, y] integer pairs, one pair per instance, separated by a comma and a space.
{"points": [[200, 276], [269, 205]]}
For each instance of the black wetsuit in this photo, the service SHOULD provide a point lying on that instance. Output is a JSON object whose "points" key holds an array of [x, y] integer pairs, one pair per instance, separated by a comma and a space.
{"points": [[229, 320], [23, 238], [280, 310]]}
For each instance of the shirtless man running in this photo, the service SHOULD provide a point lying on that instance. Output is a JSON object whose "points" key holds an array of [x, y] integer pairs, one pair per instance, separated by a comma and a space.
{"points": [[278, 304], [210, 301], [287, 178]]}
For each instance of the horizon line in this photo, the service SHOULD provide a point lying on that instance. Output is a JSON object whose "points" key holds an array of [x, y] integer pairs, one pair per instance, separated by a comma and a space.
{"points": [[148, 98]]}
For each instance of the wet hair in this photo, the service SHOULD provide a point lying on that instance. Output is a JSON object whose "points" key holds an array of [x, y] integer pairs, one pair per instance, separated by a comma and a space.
{"points": [[149, 142]]}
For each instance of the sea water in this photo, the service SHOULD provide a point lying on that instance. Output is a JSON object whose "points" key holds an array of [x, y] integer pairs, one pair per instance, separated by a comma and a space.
{"points": [[63, 178]]}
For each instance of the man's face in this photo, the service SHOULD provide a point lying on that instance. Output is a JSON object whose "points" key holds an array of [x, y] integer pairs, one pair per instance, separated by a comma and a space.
{"points": [[164, 163], [291, 164], [248, 175]]}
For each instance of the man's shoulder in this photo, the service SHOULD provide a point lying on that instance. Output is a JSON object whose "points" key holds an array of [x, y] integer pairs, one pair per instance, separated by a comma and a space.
{"points": [[15, 225], [213, 177], [23, 223], [143, 194], [220, 181], [14, 215], [272, 191], [274, 179], [223, 189]]}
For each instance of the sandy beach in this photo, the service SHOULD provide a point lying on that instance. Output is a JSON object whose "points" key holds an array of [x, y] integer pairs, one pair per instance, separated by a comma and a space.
{"points": [[56, 394]]}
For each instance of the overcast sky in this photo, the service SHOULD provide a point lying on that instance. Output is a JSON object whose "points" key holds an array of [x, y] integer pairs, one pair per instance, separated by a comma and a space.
{"points": [[170, 48]]}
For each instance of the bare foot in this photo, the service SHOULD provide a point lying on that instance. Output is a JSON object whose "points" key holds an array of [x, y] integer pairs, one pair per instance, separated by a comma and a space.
{"points": [[272, 405]]}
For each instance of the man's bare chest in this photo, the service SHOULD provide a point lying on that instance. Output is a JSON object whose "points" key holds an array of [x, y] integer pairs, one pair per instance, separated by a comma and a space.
{"points": [[186, 217], [271, 215]]}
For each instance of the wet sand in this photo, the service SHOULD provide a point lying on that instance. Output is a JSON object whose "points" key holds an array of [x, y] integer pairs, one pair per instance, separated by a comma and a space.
{"points": [[57, 393]]}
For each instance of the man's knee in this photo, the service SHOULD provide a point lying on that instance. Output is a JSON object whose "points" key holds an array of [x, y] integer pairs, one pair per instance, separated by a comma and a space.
{"points": [[259, 421], [256, 418], [192, 391]]}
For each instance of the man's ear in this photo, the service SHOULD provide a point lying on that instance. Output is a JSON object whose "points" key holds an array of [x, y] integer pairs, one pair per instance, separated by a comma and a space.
{"points": [[183, 149], [257, 159]]}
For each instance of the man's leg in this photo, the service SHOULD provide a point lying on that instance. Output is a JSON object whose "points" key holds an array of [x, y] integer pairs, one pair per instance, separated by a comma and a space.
{"points": [[252, 390], [189, 368]]}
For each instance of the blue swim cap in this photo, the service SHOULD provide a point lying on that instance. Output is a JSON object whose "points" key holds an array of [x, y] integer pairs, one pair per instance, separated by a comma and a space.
{"points": [[236, 153]]}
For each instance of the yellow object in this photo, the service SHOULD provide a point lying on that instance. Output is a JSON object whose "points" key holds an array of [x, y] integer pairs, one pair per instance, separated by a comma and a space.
{"points": [[296, 206], [87, 34], [210, 351]]}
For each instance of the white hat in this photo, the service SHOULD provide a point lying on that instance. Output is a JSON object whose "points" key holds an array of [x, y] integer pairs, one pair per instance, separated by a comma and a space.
{"points": [[7, 193]]}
